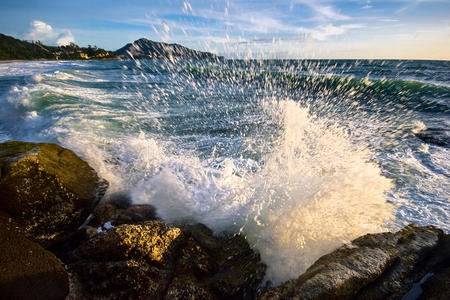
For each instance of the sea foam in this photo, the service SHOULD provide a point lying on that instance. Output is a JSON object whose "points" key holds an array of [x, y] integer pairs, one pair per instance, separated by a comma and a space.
{"points": [[314, 191]]}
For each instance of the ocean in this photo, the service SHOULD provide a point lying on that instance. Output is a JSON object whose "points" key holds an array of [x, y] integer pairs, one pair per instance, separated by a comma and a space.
{"points": [[300, 156]]}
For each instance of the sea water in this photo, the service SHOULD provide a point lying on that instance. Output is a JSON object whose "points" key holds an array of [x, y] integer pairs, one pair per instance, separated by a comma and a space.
{"points": [[300, 156]]}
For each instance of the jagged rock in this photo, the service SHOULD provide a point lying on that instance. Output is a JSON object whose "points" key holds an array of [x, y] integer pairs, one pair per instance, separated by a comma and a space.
{"points": [[375, 266], [156, 260], [128, 261], [240, 271], [116, 216], [47, 189], [28, 271], [224, 265], [123, 279], [415, 244]]}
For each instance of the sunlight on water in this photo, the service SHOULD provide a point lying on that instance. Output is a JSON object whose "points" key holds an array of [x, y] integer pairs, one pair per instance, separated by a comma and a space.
{"points": [[299, 156]]}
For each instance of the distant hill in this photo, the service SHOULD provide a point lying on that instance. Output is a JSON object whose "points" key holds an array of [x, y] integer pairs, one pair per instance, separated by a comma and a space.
{"points": [[12, 48], [144, 48]]}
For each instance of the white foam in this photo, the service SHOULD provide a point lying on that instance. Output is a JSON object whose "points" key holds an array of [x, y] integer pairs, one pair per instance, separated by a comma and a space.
{"points": [[314, 191]]}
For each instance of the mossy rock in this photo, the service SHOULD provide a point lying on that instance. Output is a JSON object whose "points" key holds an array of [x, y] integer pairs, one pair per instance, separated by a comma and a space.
{"points": [[47, 189], [27, 270]]}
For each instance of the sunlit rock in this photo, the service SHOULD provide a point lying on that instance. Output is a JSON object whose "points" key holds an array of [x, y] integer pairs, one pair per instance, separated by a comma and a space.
{"points": [[47, 189]]}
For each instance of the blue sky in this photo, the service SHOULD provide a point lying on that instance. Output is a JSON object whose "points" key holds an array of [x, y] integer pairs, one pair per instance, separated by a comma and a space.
{"points": [[271, 29]]}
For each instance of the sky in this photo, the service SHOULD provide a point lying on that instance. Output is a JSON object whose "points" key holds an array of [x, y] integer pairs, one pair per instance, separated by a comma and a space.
{"points": [[393, 29]]}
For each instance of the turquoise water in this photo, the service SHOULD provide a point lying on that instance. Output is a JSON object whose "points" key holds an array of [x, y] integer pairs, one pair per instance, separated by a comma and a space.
{"points": [[300, 156]]}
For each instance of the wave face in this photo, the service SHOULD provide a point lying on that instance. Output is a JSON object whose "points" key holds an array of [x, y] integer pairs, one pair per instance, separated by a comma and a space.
{"points": [[300, 156]]}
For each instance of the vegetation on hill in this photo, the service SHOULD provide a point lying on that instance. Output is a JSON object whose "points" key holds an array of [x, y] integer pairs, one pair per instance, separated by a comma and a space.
{"points": [[12, 48]]}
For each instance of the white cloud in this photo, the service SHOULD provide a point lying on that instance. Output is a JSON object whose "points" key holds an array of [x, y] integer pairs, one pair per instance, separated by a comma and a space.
{"points": [[324, 31], [41, 31], [65, 38], [266, 22]]}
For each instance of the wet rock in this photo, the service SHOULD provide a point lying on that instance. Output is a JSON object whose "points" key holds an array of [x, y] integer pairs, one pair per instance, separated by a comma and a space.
{"points": [[337, 275], [187, 287], [102, 214], [375, 266], [122, 279], [156, 260], [416, 246], [437, 265], [28, 271], [437, 287], [438, 137], [224, 265], [240, 270], [47, 189], [116, 216], [129, 261], [154, 241]]}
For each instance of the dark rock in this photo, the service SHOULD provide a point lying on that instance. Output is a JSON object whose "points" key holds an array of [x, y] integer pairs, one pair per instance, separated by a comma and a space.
{"points": [[240, 270], [375, 266], [47, 189], [438, 286], [187, 287], [129, 261], [226, 266], [438, 264], [438, 137], [122, 279], [120, 200], [133, 214], [102, 213], [28, 271], [156, 260]]}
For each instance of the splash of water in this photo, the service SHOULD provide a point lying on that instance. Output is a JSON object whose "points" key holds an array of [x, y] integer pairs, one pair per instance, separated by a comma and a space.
{"points": [[228, 148], [314, 191]]}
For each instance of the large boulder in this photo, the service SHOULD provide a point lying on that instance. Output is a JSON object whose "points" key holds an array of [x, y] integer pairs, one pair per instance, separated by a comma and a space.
{"points": [[374, 266], [159, 261], [47, 189], [27, 270]]}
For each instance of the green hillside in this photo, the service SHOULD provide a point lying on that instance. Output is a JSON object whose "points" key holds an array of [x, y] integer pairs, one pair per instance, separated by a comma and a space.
{"points": [[12, 48]]}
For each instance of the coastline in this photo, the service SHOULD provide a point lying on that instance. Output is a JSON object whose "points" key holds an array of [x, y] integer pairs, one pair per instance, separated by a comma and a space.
{"points": [[50, 60]]}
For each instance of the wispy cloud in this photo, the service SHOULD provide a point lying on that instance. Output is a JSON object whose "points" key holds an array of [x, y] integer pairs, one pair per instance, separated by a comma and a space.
{"points": [[388, 20], [322, 32], [41, 31], [323, 11]]}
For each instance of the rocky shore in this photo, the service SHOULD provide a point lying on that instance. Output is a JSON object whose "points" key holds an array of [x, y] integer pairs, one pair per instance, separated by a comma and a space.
{"points": [[61, 239]]}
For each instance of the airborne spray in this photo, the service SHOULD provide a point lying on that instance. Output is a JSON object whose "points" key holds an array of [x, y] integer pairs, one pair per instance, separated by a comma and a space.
{"points": [[300, 156]]}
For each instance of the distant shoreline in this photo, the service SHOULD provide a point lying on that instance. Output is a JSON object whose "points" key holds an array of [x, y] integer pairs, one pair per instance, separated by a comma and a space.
{"points": [[49, 60], [237, 59]]}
